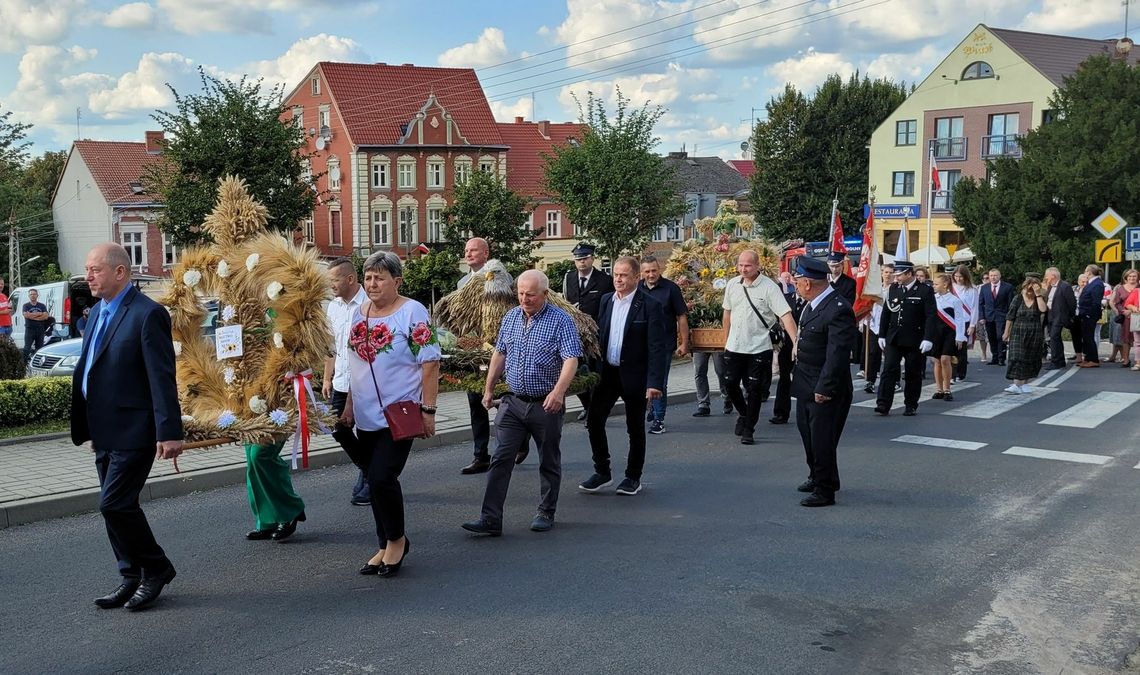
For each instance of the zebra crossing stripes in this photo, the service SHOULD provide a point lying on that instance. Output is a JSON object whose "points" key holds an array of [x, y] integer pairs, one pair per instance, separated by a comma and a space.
{"points": [[1093, 411], [999, 404], [1039, 453], [940, 442], [927, 392]]}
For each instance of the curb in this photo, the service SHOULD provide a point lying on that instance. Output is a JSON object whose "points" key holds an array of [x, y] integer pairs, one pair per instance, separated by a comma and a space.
{"points": [[47, 507], [19, 440]]}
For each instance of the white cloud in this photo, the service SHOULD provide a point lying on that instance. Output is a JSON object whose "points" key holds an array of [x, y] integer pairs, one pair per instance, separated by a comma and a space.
{"points": [[504, 111], [144, 88], [132, 15], [589, 20], [677, 89], [213, 16], [909, 68], [31, 22], [490, 49], [1066, 16], [40, 95], [807, 70], [302, 55], [754, 28]]}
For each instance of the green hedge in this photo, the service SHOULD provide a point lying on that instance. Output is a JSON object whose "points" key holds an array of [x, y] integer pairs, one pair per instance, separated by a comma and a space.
{"points": [[35, 399]]}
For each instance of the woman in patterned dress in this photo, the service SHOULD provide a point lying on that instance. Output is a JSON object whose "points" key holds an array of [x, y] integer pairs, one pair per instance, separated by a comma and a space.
{"points": [[1025, 336]]}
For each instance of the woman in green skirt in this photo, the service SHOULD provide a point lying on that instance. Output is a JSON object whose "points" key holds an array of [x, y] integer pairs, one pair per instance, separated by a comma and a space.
{"points": [[276, 506]]}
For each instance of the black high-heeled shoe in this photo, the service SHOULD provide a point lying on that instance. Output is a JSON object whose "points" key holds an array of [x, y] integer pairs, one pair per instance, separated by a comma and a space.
{"points": [[392, 570], [286, 530]]}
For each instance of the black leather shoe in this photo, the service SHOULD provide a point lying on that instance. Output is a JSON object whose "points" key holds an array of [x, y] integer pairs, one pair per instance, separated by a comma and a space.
{"points": [[947, 396], [777, 419], [741, 425], [870, 388], [361, 501], [910, 412], [368, 569], [478, 465], [521, 455], [149, 590], [746, 438], [119, 596], [818, 499], [286, 530], [728, 409], [392, 570], [702, 412], [483, 527], [258, 535], [806, 486], [938, 394], [882, 410]]}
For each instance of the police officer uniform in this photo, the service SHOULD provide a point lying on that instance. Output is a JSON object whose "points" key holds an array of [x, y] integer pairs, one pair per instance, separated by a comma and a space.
{"points": [[909, 323], [586, 293], [826, 336]]}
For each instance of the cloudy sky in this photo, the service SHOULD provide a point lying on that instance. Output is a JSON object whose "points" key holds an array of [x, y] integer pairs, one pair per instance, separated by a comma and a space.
{"points": [[709, 62]]}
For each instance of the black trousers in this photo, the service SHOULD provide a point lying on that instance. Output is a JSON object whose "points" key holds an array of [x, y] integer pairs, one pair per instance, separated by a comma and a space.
{"points": [[602, 401], [821, 426], [1075, 332], [346, 438], [480, 425], [782, 406], [997, 346], [1090, 330], [893, 357], [33, 340], [384, 469], [1056, 345], [874, 359], [963, 357], [754, 372], [122, 474]]}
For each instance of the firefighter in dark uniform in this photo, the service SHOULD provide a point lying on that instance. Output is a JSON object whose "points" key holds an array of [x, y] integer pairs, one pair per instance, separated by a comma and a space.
{"points": [[822, 377], [906, 332], [584, 287], [782, 408], [840, 280]]}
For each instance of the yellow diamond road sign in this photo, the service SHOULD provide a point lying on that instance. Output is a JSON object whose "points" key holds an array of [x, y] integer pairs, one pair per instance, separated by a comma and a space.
{"points": [[1108, 223]]}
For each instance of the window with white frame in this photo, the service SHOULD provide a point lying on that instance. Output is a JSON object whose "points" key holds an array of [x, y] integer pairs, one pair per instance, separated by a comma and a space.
{"points": [[409, 224], [169, 252], [324, 117], [379, 175], [487, 166], [435, 224], [306, 171], [462, 170], [381, 227], [578, 232], [335, 238], [435, 175], [310, 230], [316, 86], [530, 221], [406, 174], [334, 173], [134, 240], [553, 224], [299, 117]]}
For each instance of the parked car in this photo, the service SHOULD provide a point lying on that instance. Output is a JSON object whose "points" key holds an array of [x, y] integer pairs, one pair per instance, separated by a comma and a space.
{"points": [[60, 358]]}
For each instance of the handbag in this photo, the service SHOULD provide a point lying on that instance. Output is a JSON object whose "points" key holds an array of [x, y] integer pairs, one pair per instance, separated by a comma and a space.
{"points": [[775, 334], [1134, 323], [405, 419]]}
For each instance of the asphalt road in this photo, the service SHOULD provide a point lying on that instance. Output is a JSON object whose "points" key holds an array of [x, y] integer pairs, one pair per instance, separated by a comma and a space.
{"points": [[934, 560]]}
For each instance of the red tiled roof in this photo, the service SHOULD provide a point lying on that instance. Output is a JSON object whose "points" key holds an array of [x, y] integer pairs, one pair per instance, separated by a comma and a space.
{"points": [[374, 99], [115, 165], [745, 167], [525, 165]]}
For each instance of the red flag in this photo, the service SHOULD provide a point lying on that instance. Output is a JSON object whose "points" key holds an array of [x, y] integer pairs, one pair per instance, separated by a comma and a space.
{"points": [[935, 183], [837, 245], [422, 249], [868, 278]]}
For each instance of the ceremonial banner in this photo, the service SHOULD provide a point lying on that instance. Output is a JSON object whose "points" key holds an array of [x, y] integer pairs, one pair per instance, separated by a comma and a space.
{"points": [[868, 276]]}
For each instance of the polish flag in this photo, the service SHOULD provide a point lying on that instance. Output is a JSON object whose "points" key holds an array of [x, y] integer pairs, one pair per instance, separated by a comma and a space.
{"points": [[837, 245], [935, 183]]}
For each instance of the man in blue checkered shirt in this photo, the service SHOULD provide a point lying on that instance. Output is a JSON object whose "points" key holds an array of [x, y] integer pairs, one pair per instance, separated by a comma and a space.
{"points": [[538, 351]]}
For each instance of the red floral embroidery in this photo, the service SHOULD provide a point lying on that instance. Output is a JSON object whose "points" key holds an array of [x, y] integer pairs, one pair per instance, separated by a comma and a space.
{"points": [[367, 343], [421, 335]]}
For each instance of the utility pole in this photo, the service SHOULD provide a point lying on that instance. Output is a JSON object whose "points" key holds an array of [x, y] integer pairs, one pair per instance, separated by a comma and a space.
{"points": [[13, 252]]}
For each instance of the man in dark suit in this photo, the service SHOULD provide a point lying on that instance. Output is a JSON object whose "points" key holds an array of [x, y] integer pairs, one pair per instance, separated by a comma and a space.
{"points": [[782, 408], [838, 279], [584, 288], [906, 331], [993, 305], [631, 332], [822, 379], [1090, 305], [124, 400], [1062, 307]]}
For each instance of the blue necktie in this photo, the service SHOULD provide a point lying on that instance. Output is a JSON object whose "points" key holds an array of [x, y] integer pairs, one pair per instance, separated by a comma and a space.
{"points": [[96, 338]]}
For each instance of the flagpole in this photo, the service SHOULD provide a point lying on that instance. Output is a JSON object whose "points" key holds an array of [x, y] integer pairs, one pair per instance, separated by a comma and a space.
{"points": [[831, 223], [929, 212]]}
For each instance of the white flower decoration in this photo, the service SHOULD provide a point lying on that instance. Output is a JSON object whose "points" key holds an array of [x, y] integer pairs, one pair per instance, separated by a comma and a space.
{"points": [[228, 313], [228, 375], [191, 278], [279, 417], [720, 284], [187, 419], [251, 261], [258, 405], [278, 341], [223, 269], [274, 289], [177, 348]]}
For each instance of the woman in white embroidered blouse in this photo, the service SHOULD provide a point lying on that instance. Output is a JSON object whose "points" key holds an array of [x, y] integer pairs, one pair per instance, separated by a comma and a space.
{"points": [[393, 356]]}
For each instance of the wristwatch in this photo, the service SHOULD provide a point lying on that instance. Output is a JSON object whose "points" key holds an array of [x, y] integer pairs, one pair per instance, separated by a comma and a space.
{"points": [[428, 409]]}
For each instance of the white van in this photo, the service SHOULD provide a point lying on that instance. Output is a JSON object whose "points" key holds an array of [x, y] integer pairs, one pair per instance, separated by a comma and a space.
{"points": [[65, 301]]}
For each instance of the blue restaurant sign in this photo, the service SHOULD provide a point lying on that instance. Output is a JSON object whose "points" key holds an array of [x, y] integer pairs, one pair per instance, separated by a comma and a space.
{"points": [[887, 211], [819, 249]]}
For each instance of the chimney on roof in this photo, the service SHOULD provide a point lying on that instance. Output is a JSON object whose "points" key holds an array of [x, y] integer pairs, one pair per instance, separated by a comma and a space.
{"points": [[519, 119], [1123, 47], [154, 141], [678, 155], [544, 128]]}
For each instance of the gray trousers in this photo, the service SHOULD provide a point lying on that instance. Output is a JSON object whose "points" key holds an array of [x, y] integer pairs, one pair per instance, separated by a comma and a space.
{"points": [[515, 421], [701, 375]]}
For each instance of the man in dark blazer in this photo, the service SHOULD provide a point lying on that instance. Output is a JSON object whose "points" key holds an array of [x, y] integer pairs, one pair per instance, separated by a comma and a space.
{"points": [[1090, 306], [822, 379], [631, 332], [1062, 309], [584, 288], [124, 400], [907, 329], [839, 280], [993, 305]]}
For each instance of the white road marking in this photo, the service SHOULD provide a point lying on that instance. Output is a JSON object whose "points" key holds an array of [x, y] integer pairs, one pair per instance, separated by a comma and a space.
{"points": [[1091, 412], [1077, 457], [999, 404], [1136, 467], [1047, 376], [940, 442], [927, 392], [1071, 372]]}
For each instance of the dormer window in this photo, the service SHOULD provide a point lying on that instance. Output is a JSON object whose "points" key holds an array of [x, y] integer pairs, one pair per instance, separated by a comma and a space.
{"points": [[978, 70]]}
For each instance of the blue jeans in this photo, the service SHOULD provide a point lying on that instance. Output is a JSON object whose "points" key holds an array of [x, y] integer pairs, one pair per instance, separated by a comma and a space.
{"points": [[6, 330]]}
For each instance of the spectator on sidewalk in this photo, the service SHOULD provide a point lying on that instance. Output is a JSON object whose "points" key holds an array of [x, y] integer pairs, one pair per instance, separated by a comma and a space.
{"points": [[1089, 307], [1132, 324], [701, 361], [36, 323], [1121, 336], [993, 304], [1061, 305], [5, 313], [668, 295]]}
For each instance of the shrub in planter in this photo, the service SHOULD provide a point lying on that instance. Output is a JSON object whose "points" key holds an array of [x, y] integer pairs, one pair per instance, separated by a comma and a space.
{"points": [[34, 399], [11, 360]]}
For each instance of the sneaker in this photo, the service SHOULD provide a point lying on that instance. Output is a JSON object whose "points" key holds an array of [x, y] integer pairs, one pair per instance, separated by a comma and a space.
{"points": [[870, 388], [746, 438], [629, 487], [361, 501], [702, 412], [1013, 389], [649, 416], [859, 374], [1025, 389], [542, 523], [657, 427], [595, 483]]}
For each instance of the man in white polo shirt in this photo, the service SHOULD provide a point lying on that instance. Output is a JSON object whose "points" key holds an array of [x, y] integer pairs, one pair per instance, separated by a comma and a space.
{"points": [[347, 296], [753, 305]]}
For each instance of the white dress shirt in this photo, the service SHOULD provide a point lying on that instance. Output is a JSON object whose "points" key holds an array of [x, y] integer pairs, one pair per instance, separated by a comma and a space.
{"points": [[339, 313], [617, 327]]}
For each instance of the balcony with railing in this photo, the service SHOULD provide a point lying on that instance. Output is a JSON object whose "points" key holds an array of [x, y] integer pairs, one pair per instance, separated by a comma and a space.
{"points": [[1008, 145], [949, 149], [943, 201]]}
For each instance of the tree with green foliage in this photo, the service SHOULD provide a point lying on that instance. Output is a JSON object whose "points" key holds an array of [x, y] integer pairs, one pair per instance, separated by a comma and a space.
{"points": [[1037, 211], [25, 198], [483, 206], [614, 187], [230, 128], [431, 276], [808, 148], [13, 147]]}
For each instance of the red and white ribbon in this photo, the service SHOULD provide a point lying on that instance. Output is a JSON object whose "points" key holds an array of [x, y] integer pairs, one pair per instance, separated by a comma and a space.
{"points": [[303, 393]]}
